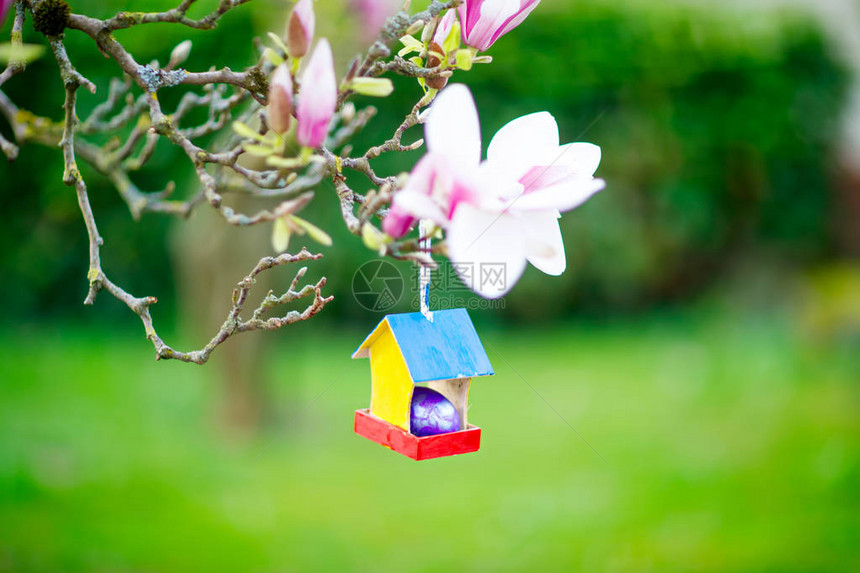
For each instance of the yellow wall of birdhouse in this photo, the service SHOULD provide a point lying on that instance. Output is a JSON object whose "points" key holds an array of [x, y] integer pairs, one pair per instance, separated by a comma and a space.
{"points": [[391, 394]]}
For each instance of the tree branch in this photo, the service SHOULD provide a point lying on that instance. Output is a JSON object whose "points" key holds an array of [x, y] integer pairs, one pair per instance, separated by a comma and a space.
{"points": [[138, 122], [234, 323]]}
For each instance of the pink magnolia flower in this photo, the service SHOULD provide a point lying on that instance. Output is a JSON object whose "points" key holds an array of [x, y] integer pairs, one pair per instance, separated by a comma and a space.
{"points": [[318, 97], [443, 28], [426, 191], [502, 212], [300, 29], [4, 9], [280, 100], [485, 21], [372, 15]]}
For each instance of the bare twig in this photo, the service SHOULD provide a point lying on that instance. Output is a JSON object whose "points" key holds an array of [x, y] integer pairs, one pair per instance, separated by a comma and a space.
{"points": [[176, 15], [234, 323], [14, 66], [132, 114]]}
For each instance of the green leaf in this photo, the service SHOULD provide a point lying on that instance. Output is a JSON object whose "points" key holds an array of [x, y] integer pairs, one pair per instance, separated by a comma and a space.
{"points": [[373, 238], [273, 57], [285, 163], [464, 59], [452, 42], [374, 87], [22, 54], [278, 42], [280, 235], [411, 44], [258, 150], [313, 231], [245, 131]]}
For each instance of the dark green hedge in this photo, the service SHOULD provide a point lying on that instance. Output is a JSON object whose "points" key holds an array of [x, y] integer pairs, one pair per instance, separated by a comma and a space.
{"points": [[717, 131]]}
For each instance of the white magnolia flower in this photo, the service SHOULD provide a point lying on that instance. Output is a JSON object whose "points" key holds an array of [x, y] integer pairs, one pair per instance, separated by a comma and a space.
{"points": [[502, 212]]}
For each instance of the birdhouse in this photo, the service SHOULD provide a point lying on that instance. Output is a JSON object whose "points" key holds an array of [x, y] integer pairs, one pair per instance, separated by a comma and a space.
{"points": [[408, 351]]}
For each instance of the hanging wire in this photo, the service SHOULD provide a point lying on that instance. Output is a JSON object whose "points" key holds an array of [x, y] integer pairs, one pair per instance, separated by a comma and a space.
{"points": [[424, 229]]}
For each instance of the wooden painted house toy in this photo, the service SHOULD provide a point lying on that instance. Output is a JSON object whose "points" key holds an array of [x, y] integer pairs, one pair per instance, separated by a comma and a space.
{"points": [[410, 353]]}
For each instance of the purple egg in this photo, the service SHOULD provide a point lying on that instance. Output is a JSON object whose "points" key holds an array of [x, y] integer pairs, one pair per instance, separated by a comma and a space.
{"points": [[432, 413]]}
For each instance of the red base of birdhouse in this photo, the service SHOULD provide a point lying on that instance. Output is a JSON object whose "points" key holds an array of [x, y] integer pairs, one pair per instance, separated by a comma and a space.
{"points": [[425, 448]]}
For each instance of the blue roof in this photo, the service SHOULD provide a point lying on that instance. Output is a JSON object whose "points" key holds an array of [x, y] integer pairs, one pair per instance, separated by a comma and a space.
{"points": [[447, 347]]}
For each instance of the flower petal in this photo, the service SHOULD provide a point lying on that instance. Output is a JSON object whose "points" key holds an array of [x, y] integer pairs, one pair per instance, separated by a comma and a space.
{"points": [[517, 19], [563, 196], [443, 28], [544, 244], [397, 222], [452, 127], [318, 97], [280, 107], [373, 14], [300, 28], [538, 178], [538, 130], [426, 195], [419, 205], [4, 8], [494, 15], [523, 143], [582, 158], [496, 186], [469, 12], [487, 250]]}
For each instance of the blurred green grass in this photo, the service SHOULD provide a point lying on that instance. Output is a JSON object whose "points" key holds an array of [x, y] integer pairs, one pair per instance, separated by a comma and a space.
{"points": [[726, 443]]}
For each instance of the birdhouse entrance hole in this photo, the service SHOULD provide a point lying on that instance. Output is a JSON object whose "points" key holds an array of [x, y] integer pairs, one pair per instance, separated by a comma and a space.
{"points": [[456, 390]]}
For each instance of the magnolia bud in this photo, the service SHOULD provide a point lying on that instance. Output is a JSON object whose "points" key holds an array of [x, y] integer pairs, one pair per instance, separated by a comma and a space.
{"points": [[434, 55], [434, 60], [429, 30], [485, 22], [442, 33], [347, 112], [280, 108], [318, 97], [414, 27], [353, 68], [179, 54], [300, 29]]}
